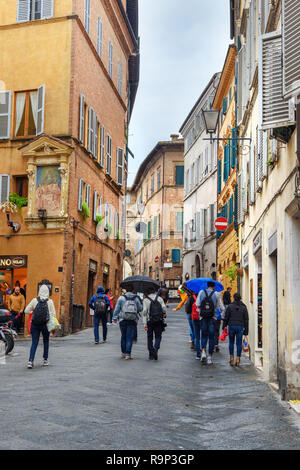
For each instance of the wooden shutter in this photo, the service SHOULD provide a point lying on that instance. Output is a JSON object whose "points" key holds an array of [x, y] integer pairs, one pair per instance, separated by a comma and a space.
{"points": [[47, 9], [241, 72], [219, 176], [91, 131], [5, 113], [119, 166], [240, 198], [212, 218], [88, 195], [80, 194], [264, 154], [275, 111], [99, 37], [87, 12], [95, 211], [40, 110], [95, 133], [81, 119], [291, 47], [23, 13], [252, 173], [102, 147], [4, 188]]}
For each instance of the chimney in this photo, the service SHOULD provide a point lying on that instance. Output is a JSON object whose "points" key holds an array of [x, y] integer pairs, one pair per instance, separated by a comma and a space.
{"points": [[174, 137]]}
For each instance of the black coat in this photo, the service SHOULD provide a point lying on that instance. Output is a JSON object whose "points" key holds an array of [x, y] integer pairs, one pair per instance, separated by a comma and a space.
{"points": [[189, 305], [226, 298], [237, 315]]}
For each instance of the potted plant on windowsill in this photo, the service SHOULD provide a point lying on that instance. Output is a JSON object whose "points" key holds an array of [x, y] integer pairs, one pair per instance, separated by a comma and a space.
{"points": [[85, 211], [99, 219], [19, 201]]}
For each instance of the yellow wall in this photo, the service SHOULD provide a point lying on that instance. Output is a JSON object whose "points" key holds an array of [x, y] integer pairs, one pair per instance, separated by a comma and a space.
{"points": [[9, 8], [40, 62]]}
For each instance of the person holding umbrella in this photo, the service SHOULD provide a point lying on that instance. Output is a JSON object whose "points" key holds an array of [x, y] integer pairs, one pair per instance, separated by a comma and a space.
{"points": [[127, 312]]}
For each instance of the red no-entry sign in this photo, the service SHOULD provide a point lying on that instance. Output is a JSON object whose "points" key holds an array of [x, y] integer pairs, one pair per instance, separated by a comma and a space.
{"points": [[156, 259], [221, 224]]}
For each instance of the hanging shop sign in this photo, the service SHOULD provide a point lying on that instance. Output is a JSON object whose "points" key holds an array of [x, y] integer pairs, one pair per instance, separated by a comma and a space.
{"points": [[246, 260], [13, 261], [93, 266], [257, 242], [272, 244], [105, 269]]}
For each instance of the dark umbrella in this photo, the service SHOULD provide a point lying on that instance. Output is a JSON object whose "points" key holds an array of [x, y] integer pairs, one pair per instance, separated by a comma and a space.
{"points": [[141, 284]]}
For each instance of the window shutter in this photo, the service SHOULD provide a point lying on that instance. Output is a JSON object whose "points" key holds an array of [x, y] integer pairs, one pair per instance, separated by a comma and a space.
{"points": [[80, 194], [240, 71], [264, 154], [47, 9], [244, 189], [95, 205], [119, 166], [88, 195], [202, 223], [95, 132], [5, 113], [252, 174], [225, 105], [212, 218], [239, 198], [116, 224], [291, 47], [219, 176], [87, 12], [23, 13], [275, 111], [40, 110], [99, 37], [234, 146], [81, 119], [102, 147], [257, 160], [252, 39], [4, 188]]}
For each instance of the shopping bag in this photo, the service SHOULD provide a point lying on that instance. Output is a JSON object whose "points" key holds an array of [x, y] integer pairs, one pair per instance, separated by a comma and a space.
{"points": [[29, 323], [224, 335], [53, 324]]}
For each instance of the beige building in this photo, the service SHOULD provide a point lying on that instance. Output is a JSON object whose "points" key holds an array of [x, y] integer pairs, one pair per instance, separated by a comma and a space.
{"points": [[157, 202], [268, 74]]}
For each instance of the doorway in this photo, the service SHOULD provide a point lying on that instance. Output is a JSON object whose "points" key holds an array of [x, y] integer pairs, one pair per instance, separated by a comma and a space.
{"points": [[90, 293]]}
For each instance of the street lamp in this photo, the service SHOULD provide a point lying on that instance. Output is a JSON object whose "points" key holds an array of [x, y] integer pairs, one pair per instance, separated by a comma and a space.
{"points": [[211, 119]]}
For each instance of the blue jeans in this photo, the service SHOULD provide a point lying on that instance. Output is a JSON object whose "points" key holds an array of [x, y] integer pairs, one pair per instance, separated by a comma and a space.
{"points": [[197, 334], [103, 319], [235, 332], [35, 333], [208, 334], [191, 326], [128, 333], [156, 331]]}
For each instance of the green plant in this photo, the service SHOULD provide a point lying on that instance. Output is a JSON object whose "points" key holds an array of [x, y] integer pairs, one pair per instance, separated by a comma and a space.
{"points": [[232, 273], [270, 163], [99, 219], [118, 234], [85, 211], [18, 200]]}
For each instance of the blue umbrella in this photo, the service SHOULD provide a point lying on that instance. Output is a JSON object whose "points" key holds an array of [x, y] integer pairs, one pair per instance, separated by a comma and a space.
{"points": [[199, 284]]}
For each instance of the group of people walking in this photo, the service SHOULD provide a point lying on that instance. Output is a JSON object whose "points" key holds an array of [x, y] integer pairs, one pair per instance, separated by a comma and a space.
{"points": [[205, 314]]}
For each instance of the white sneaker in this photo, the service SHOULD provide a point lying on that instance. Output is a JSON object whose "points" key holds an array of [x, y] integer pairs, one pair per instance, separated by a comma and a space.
{"points": [[46, 363], [203, 356], [209, 361], [30, 365], [198, 358]]}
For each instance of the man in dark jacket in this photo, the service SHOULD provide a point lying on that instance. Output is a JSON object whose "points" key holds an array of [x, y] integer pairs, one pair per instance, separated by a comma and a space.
{"points": [[237, 320], [164, 293], [94, 304], [227, 297]]}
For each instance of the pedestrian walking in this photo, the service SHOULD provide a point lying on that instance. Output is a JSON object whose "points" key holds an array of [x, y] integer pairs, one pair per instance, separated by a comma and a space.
{"points": [[164, 294], [194, 323], [227, 297], [100, 304], [110, 311], [154, 313], [127, 312], [16, 305], [220, 317], [237, 319], [207, 304], [183, 297], [42, 308]]}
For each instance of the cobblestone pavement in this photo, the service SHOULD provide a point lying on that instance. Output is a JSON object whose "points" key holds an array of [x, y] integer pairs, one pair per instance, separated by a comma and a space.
{"points": [[89, 398]]}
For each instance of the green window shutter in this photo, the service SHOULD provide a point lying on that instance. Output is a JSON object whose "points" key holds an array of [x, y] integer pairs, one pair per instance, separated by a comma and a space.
{"points": [[149, 230], [225, 105], [219, 176], [234, 146], [176, 256], [179, 176], [225, 164]]}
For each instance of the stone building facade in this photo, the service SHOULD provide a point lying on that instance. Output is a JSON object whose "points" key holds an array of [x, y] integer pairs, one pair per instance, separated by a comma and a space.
{"points": [[158, 204], [69, 78], [200, 192]]}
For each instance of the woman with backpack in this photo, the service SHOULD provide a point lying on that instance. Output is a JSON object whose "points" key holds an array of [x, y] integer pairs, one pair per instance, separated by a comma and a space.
{"points": [[42, 308], [236, 318]]}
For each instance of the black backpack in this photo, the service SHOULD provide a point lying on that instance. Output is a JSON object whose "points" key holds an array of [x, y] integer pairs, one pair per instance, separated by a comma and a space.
{"points": [[40, 313], [207, 307], [100, 306], [156, 312]]}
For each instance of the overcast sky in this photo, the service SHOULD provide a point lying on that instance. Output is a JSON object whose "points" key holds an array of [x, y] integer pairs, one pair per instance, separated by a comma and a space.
{"points": [[183, 43]]}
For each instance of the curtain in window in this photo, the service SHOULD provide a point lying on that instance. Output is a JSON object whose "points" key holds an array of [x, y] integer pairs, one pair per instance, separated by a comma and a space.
{"points": [[20, 109], [34, 105]]}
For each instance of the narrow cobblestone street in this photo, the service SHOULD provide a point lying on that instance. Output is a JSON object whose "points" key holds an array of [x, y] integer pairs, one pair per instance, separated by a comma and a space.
{"points": [[89, 398]]}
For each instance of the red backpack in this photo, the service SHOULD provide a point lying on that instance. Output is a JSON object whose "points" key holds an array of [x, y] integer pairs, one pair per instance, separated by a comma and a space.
{"points": [[195, 310]]}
